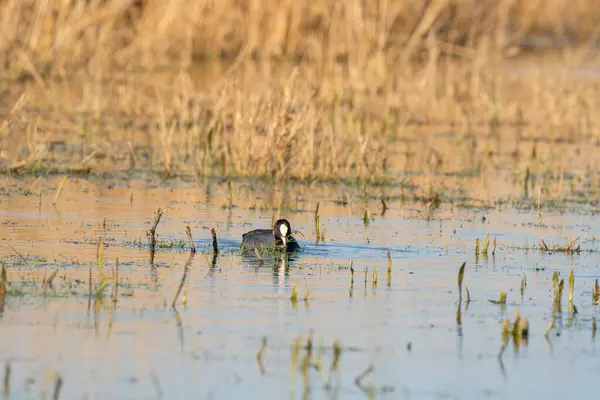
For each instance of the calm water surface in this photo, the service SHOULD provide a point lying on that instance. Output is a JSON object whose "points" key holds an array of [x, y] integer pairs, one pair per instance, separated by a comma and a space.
{"points": [[406, 329]]}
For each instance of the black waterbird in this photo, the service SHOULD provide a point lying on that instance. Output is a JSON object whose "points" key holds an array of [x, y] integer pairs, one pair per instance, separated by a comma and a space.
{"points": [[279, 238]]}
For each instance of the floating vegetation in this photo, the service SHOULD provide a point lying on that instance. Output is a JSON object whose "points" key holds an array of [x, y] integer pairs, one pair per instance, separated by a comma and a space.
{"points": [[523, 285], [501, 301], [569, 248], [596, 293]]}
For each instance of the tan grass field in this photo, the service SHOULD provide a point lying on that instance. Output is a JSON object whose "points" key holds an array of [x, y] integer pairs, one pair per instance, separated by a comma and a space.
{"points": [[299, 89]]}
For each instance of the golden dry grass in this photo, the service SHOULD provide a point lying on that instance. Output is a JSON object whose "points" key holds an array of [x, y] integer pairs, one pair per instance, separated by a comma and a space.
{"points": [[294, 89]]}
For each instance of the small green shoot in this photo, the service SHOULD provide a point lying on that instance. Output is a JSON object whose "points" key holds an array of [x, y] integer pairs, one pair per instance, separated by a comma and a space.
{"points": [[375, 278], [467, 294], [571, 290], [461, 275], [294, 296], [317, 223], [307, 293], [99, 259], [3, 282], [486, 245], [501, 301]]}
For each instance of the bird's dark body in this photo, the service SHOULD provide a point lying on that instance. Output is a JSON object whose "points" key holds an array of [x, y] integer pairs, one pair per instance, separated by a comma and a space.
{"points": [[269, 239]]}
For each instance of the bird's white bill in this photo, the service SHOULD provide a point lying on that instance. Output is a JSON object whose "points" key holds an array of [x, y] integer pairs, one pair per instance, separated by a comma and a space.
{"points": [[284, 230]]}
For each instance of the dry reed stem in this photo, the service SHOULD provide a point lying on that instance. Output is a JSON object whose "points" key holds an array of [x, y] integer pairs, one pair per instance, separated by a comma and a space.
{"points": [[188, 232], [215, 245], [59, 190]]}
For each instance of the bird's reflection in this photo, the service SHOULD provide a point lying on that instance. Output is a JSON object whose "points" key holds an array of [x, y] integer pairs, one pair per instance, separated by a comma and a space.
{"points": [[279, 262]]}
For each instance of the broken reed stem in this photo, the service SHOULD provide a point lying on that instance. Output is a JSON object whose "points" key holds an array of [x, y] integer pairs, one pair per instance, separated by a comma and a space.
{"points": [[3, 281], [152, 231], [18, 254], [215, 245], [230, 194], [317, 223], [59, 190], [90, 280], [188, 231], [384, 207], [48, 281], [389, 269], [543, 244]]}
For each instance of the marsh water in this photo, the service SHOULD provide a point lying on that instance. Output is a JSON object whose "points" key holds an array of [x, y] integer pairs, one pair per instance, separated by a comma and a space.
{"points": [[235, 332]]}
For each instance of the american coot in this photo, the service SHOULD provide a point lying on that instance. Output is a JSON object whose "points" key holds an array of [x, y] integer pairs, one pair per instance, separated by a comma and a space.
{"points": [[280, 238]]}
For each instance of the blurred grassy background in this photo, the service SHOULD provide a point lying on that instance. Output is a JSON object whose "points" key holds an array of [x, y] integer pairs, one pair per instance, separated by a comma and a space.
{"points": [[291, 89]]}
